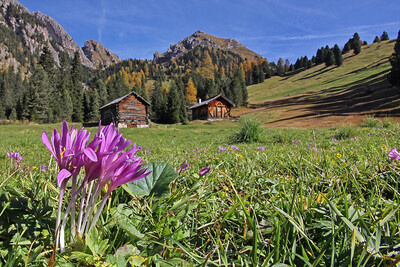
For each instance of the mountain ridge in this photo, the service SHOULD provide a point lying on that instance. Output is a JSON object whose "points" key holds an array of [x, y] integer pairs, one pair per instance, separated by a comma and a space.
{"points": [[200, 38]]}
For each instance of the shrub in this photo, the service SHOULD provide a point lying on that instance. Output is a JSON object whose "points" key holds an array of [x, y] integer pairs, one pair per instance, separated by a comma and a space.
{"points": [[345, 132], [370, 121], [249, 131]]}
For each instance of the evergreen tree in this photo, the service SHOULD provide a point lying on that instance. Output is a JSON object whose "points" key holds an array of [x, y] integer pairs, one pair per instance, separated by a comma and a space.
{"points": [[101, 89], [338, 55], [329, 58], [346, 48], [394, 60], [63, 108], [77, 88], [376, 40], [267, 69], [158, 105], [94, 112], [280, 67], [256, 74], [38, 96], [356, 44], [384, 36], [173, 106]]}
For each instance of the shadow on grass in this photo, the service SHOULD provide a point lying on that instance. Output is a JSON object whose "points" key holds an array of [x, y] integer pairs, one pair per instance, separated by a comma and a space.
{"points": [[371, 95]]}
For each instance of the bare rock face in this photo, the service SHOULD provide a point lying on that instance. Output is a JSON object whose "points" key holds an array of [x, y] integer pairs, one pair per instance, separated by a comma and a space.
{"points": [[62, 39], [203, 39], [98, 54], [35, 30]]}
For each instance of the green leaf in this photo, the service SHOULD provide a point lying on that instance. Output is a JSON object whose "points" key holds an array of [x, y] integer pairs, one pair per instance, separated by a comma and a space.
{"points": [[127, 225], [162, 174], [96, 245]]}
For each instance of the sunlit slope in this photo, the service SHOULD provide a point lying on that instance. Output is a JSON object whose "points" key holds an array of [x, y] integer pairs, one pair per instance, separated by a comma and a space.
{"points": [[328, 96], [372, 61]]}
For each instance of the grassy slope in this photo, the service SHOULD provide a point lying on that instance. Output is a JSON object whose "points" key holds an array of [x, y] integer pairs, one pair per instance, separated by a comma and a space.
{"points": [[372, 60], [357, 87]]}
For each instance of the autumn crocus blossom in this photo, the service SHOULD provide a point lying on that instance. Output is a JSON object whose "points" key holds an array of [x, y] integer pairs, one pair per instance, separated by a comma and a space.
{"points": [[14, 156], [394, 154], [105, 163], [184, 166], [204, 171]]}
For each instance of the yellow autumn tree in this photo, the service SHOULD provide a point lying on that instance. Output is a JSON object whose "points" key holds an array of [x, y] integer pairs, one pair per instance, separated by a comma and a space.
{"points": [[207, 66], [190, 93]]}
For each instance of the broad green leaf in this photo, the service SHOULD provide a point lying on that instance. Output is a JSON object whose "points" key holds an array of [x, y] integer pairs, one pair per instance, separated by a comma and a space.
{"points": [[127, 225], [162, 174]]}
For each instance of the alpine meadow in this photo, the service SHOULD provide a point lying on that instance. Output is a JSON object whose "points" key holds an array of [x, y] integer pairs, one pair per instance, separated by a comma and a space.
{"points": [[207, 154]]}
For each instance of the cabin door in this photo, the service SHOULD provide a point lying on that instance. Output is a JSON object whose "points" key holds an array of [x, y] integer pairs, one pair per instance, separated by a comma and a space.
{"points": [[219, 112]]}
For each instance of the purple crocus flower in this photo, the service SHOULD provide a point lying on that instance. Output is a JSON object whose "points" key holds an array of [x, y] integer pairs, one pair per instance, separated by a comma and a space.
{"points": [[298, 142], [220, 148], [394, 154], [335, 140], [262, 148], [43, 168], [204, 171], [147, 151], [68, 150], [184, 166], [234, 147], [14, 156]]}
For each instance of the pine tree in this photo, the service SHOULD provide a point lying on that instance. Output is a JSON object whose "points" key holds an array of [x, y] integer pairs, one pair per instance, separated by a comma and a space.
{"points": [[94, 113], [338, 55], [101, 89], [356, 44], [158, 105], [384, 36], [394, 60], [38, 96], [280, 67], [376, 40], [346, 48], [173, 105], [77, 89]]}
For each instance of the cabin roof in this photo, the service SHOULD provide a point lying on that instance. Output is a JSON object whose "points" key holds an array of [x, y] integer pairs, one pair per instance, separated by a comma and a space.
{"points": [[115, 101], [207, 101]]}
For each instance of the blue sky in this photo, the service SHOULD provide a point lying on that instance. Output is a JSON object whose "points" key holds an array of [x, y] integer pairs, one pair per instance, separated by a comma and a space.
{"points": [[273, 28]]}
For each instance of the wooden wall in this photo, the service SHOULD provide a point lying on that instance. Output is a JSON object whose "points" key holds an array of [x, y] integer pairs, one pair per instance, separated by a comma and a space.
{"points": [[132, 113], [219, 108], [216, 109]]}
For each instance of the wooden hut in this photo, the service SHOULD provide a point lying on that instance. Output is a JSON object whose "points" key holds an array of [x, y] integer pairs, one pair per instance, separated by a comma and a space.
{"points": [[130, 111], [214, 108]]}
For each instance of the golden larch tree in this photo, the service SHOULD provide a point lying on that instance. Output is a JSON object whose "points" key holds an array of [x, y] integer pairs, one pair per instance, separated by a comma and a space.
{"points": [[190, 93]]}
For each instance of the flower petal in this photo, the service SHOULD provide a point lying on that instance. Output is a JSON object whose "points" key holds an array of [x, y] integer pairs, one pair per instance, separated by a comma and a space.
{"points": [[46, 142], [90, 154], [62, 175]]}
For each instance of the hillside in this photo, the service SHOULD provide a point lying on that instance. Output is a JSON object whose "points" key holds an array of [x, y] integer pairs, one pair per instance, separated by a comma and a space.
{"points": [[327, 96]]}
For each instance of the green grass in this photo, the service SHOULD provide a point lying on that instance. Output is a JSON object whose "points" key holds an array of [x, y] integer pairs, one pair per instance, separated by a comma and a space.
{"points": [[316, 202], [373, 60]]}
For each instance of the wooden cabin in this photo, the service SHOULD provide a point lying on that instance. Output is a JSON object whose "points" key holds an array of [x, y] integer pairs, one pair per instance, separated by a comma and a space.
{"points": [[214, 108], [131, 111]]}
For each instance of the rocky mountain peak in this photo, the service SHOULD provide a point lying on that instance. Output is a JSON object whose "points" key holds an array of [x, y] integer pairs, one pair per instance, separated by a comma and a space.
{"points": [[200, 38], [99, 54]]}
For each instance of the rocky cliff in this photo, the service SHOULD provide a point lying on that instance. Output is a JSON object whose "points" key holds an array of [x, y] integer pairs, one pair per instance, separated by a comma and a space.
{"points": [[200, 38], [35, 30], [98, 54]]}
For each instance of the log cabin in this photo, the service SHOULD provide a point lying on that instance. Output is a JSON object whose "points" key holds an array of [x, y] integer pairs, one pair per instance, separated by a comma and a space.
{"points": [[130, 111], [214, 108]]}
